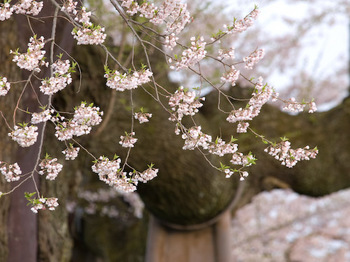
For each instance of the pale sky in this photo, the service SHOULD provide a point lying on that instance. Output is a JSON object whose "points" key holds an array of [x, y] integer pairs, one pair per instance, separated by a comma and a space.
{"points": [[325, 48]]}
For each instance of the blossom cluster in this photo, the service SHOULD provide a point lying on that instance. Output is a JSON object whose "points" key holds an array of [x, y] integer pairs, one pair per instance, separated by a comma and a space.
{"points": [[24, 135], [51, 203], [253, 58], [87, 115], [231, 77], [261, 95], [170, 41], [240, 159], [221, 148], [89, 35], [288, 156], [34, 58], [61, 78], [190, 56], [142, 117], [84, 118], [4, 86], [147, 175], [50, 167], [293, 106], [11, 172], [71, 152], [172, 12], [27, 7], [5, 11], [110, 173], [184, 102], [122, 82], [70, 6], [107, 169], [194, 137], [128, 140], [243, 24], [41, 116], [82, 16], [226, 54]]}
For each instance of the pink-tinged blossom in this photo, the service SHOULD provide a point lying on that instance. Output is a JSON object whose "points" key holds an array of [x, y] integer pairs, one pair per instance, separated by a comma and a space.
{"points": [[4, 86], [170, 41], [194, 137], [122, 82], [242, 160], [242, 127], [131, 6], [184, 102], [231, 77], [142, 117], [39, 205], [127, 3], [312, 107], [253, 58], [228, 172], [241, 115], [11, 172], [83, 17], [288, 156], [109, 172], [147, 10], [172, 12], [51, 203], [128, 140], [226, 54], [243, 175], [89, 35], [69, 6], [192, 55], [42, 116], [87, 115], [125, 183], [24, 135], [6, 11], [60, 79], [34, 58], [61, 67], [50, 167], [292, 106], [178, 16], [261, 95], [243, 24], [221, 148], [84, 118], [107, 169], [71, 152], [147, 175], [55, 84], [65, 130], [28, 7]]}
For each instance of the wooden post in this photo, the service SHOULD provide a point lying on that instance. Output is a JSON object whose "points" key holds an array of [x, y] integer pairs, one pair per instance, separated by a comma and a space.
{"points": [[208, 244]]}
